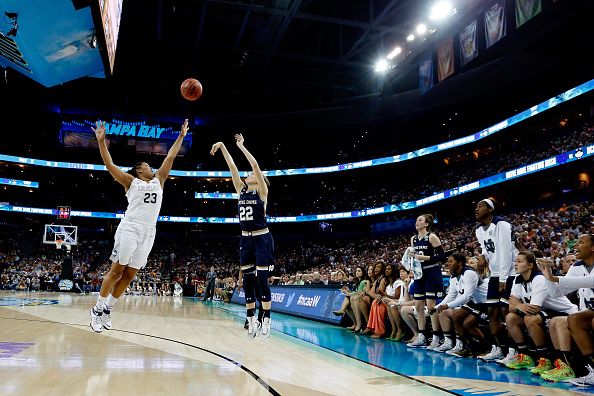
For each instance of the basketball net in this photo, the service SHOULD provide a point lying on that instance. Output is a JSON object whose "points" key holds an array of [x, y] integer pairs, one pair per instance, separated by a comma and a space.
{"points": [[59, 243]]}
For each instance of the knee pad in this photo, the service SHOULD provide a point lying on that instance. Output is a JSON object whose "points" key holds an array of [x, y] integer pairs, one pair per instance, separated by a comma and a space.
{"points": [[263, 287], [249, 287]]}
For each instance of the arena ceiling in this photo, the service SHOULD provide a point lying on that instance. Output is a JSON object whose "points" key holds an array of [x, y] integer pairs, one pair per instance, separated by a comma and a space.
{"points": [[277, 56]]}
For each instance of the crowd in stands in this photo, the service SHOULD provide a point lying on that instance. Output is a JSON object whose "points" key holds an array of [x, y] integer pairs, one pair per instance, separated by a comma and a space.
{"points": [[552, 231]]}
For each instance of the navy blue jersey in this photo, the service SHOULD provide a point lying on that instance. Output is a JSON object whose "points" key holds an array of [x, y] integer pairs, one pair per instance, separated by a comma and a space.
{"points": [[252, 213], [423, 247]]}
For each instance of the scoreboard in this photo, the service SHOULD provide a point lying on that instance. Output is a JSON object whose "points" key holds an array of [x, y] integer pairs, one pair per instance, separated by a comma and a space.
{"points": [[64, 212]]}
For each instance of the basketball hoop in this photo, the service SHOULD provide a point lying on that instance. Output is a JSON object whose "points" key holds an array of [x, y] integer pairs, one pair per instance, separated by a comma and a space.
{"points": [[59, 243]]}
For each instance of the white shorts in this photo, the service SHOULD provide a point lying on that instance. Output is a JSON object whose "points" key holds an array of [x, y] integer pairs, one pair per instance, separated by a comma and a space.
{"points": [[133, 243]]}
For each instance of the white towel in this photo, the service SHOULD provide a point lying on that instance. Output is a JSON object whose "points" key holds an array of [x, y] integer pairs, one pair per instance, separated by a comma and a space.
{"points": [[411, 263]]}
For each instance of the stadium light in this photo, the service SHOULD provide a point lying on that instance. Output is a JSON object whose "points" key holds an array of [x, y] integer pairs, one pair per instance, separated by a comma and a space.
{"points": [[381, 66], [441, 10], [394, 52], [410, 37], [421, 28]]}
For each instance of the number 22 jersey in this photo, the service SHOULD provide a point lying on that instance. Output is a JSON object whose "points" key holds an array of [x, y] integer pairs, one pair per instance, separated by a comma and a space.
{"points": [[252, 212]]}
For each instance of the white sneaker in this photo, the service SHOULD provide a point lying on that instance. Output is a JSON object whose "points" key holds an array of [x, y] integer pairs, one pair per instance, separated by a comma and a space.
{"points": [[586, 380], [96, 324], [434, 344], [266, 327], [253, 327], [106, 319], [446, 346], [418, 342], [508, 358], [495, 354], [457, 348]]}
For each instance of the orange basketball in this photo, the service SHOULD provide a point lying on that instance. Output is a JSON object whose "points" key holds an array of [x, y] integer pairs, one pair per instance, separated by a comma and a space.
{"points": [[191, 89]]}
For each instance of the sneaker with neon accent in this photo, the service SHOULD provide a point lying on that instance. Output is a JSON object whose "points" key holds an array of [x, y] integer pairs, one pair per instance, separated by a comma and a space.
{"points": [[457, 348], [586, 380], [508, 358], [417, 342], [520, 361], [445, 346], [266, 327], [434, 344], [465, 352], [253, 327], [96, 324], [493, 355], [543, 365], [561, 373], [106, 319]]}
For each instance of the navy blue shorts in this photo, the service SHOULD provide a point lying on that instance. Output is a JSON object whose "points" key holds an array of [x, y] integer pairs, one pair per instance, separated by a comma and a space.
{"points": [[256, 250], [493, 294], [430, 286], [476, 309]]}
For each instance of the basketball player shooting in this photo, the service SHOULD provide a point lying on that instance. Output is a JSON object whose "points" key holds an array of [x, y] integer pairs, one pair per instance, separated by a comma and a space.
{"points": [[256, 251], [135, 234]]}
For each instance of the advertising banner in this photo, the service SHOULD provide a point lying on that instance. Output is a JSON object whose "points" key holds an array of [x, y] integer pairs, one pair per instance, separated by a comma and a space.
{"points": [[308, 302]]}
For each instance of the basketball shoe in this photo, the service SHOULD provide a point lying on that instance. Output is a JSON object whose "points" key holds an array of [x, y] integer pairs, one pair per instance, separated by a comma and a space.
{"points": [[106, 319], [418, 342], [434, 343], [493, 355], [457, 348], [253, 327], [96, 324], [521, 361], [508, 358], [561, 373], [266, 327], [543, 365], [446, 346], [586, 380]]}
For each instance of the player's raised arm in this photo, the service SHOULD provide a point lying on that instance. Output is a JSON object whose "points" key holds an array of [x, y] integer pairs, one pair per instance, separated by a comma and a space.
{"points": [[163, 172], [125, 179], [230, 163], [262, 185]]}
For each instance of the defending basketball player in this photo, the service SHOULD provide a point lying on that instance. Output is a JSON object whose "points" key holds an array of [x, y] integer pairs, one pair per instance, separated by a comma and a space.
{"points": [[256, 252], [136, 232]]}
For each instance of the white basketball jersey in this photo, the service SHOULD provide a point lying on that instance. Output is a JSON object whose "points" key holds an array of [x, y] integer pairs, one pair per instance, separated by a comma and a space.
{"points": [[498, 248], [534, 291], [144, 201]]}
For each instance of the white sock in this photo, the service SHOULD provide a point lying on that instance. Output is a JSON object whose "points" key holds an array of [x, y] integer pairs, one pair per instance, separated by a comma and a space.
{"points": [[99, 304], [110, 302]]}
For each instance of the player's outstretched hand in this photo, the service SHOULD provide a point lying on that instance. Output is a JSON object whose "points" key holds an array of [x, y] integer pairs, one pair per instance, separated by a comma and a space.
{"points": [[215, 147], [184, 128], [239, 139], [100, 131]]}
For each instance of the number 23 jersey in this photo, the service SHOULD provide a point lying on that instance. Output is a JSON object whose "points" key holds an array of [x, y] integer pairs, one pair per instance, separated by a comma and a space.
{"points": [[252, 212], [144, 201]]}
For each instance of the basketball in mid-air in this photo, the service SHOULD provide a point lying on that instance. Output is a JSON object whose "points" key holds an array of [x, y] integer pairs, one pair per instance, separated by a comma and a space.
{"points": [[191, 89]]}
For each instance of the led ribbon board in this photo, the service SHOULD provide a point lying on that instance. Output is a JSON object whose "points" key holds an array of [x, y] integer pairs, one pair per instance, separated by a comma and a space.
{"points": [[524, 170], [19, 183], [532, 111]]}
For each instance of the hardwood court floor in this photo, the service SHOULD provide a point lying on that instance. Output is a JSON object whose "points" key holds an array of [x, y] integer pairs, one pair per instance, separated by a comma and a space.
{"points": [[164, 345]]}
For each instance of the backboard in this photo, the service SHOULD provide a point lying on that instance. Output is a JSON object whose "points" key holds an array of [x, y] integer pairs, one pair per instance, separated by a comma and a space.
{"points": [[60, 234]]}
